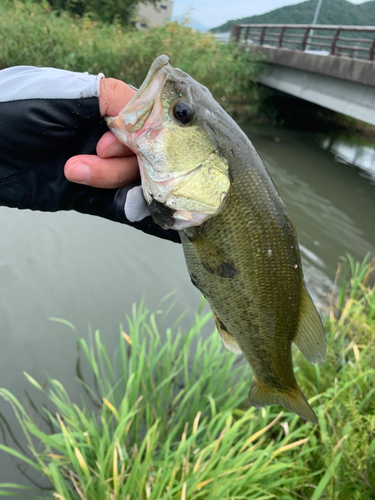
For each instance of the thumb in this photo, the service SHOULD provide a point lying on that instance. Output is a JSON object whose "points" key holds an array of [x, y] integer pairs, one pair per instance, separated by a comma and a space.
{"points": [[113, 96]]}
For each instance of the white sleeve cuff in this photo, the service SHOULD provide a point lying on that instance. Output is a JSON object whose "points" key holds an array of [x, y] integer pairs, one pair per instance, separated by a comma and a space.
{"points": [[98, 80], [29, 82], [135, 207]]}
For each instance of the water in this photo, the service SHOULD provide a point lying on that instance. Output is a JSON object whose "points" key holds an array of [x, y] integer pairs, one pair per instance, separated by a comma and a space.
{"points": [[90, 271], [328, 186]]}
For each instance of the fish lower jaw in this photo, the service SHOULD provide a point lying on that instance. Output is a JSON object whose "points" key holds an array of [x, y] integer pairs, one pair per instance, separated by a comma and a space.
{"points": [[171, 212], [177, 219], [168, 210], [185, 219], [176, 200]]}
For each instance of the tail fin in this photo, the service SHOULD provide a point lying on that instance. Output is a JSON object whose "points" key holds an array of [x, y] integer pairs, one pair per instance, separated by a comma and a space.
{"points": [[293, 399]]}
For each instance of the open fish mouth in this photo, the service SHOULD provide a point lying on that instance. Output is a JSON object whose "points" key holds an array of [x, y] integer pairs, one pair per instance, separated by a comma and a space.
{"points": [[137, 111], [185, 178]]}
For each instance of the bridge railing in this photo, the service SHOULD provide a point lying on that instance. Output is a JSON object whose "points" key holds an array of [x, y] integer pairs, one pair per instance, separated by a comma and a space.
{"points": [[351, 41]]}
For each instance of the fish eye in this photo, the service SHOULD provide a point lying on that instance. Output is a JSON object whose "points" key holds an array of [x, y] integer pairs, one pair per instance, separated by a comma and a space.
{"points": [[183, 113]]}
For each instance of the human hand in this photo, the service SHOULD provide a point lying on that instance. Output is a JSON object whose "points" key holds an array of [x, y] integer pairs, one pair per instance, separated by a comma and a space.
{"points": [[115, 165], [54, 124]]}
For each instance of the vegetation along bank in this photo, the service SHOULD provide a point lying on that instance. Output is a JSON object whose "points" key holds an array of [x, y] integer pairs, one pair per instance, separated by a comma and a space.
{"points": [[161, 423], [33, 34]]}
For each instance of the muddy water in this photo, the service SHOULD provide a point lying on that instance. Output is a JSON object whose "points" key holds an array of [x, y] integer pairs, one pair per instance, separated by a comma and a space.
{"points": [[90, 271], [328, 186]]}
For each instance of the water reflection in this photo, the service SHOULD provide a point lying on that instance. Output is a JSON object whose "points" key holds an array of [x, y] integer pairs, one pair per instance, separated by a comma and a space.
{"points": [[350, 152]]}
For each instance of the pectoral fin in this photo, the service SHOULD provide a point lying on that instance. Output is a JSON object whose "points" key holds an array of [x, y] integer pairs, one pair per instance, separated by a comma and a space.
{"points": [[226, 337], [310, 338], [213, 259], [261, 395]]}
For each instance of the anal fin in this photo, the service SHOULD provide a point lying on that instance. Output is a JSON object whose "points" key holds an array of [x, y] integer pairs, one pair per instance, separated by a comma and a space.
{"points": [[261, 395], [226, 337], [310, 338]]}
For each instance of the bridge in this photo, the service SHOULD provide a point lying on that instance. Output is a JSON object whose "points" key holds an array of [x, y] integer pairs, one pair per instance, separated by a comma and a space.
{"points": [[333, 66]]}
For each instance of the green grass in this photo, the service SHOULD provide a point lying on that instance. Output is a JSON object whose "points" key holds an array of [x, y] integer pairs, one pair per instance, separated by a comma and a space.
{"points": [[345, 385], [162, 424], [32, 34], [157, 422]]}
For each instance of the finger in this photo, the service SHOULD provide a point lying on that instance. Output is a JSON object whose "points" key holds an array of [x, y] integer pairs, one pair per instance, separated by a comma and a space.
{"points": [[109, 146], [114, 95], [102, 172]]}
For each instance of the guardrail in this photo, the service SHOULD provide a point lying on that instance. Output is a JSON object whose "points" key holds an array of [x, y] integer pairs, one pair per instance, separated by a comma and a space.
{"points": [[351, 41]]}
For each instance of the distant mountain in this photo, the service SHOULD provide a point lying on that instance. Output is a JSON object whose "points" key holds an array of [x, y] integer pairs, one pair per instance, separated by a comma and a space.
{"points": [[197, 26], [192, 23], [332, 12]]}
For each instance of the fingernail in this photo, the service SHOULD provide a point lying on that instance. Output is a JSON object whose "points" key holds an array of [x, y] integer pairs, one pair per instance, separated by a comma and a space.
{"points": [[79, 172]]}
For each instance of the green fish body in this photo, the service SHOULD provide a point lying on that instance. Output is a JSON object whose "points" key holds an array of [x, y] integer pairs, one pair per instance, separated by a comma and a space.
{"points": [[202, 176]]}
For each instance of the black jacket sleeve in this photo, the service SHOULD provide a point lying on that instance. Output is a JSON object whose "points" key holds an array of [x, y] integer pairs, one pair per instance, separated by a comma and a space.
{"points": [[37, 137]]}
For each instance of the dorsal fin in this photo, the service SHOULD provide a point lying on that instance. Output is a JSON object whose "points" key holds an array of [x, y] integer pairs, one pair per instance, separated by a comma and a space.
{"points": [[310, 338]]}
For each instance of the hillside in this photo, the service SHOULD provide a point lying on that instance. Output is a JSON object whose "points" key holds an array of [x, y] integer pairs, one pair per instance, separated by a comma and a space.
{"points": [[332, 12]]}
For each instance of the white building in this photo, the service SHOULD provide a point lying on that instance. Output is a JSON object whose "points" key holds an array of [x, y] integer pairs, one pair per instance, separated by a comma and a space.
{"points": [[149, 16]]}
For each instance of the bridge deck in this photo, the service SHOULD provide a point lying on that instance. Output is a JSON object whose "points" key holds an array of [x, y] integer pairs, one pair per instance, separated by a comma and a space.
{"points": [[335, 81], [345, 68]]}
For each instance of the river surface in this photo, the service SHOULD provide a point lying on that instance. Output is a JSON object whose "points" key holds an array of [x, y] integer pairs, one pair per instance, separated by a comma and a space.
{"points": [[89, 271]]}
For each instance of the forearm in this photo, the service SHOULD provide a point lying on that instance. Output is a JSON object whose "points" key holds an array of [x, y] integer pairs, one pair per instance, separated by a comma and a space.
{"points": [[38, 134], [48, 116]]}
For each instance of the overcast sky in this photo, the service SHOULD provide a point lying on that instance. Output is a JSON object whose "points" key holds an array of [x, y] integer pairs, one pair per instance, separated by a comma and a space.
{"points": [[212, 13]]}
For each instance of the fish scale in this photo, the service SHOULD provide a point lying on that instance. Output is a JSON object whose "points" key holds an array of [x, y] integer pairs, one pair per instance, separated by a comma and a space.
{"points": [[263, 307]]}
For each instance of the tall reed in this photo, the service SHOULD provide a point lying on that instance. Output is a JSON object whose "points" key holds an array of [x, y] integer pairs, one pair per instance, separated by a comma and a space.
{"points": [[166, 416], [159, 423]]}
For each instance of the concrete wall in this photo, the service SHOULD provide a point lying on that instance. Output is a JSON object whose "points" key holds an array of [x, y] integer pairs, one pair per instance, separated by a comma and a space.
{"points": [[150, 16], [341, 84], [343, 68], [349, 98]]}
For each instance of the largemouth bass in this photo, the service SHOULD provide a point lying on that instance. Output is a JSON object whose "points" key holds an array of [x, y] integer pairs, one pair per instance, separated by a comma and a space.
{"points": [[202, 176]]}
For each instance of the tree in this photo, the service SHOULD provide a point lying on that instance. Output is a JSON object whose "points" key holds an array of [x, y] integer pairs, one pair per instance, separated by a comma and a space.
{"points": [[109, 11]]}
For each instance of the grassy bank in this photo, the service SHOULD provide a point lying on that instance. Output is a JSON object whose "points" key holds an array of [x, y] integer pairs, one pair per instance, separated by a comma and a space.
{"points": [[159, 423], [31, 34]]}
